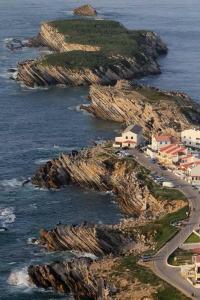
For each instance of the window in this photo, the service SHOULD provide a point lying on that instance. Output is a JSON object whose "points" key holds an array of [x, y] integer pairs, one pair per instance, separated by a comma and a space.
{"points": [[127, 137], [132, 137], [166, 142]]}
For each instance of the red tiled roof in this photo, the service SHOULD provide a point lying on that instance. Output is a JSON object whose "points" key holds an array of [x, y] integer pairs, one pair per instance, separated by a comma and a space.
{"points": [[162, 138], [172, 149]]}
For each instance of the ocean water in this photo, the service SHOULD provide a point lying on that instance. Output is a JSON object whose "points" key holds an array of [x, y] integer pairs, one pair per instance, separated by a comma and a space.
{"points": [[37, 124]]}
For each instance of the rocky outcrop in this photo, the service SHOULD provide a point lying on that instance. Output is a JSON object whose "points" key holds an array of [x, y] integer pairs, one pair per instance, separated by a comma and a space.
{"points": [[99, 168], [96, 239], [85, 10], [72, 277], [35, 73], [152, 108], [71, 65]]}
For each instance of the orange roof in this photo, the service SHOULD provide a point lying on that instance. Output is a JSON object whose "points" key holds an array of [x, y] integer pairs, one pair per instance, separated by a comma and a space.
{"points": [[163, 138], [187, 165], [172, 149]]}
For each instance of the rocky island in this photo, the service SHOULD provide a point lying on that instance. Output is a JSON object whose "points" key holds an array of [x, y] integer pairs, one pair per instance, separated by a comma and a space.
{"points": [[85, 10], [90, 51]]}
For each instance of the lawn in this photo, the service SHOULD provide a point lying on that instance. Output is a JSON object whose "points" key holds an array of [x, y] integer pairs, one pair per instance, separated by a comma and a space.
{"points": [[180, 257], [161, 229], [193, 238]]}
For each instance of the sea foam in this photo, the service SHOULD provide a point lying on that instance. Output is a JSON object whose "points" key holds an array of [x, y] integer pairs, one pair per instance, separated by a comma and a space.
{"points": [[19, 278], [7, 216]]}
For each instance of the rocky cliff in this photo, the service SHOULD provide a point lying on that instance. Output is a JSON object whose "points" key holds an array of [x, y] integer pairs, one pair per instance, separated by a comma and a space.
{"points": [[72, 277], [101, 169], [97, 239], [108, 60], [150, 107]]}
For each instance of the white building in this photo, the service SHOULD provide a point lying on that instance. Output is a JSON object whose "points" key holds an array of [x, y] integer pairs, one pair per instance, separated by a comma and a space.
{"points": [[191, 138], [131, 137], [194, 174], [160, 141]]}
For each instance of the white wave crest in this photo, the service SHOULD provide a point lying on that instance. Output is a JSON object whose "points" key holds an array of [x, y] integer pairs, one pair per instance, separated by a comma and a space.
{"points": [[42, 161], [75, 108], [19, 278], [7, 216], [13, 183]]}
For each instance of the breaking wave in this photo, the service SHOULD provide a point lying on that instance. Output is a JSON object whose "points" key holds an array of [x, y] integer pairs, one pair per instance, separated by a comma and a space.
{"points": [[19, 278], [7, 216], [42, 161], [12, 183]]}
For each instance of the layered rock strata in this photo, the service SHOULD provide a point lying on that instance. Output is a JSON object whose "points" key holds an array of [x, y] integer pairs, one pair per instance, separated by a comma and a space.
{"points": [[100, 66], [97, 239], [153, 109], [99, 168], [72, 277]]}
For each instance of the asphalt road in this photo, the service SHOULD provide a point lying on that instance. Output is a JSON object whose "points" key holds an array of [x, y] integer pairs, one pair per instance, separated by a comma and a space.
{"points": [[169, 273]]}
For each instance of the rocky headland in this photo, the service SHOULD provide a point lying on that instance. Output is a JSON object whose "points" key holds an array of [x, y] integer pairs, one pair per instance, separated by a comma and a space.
{"points": [[99, 168], [85, 11], [154, 109], [91, 52]]}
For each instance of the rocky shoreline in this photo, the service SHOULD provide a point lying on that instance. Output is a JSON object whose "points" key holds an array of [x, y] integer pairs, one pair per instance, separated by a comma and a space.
{"points": [[115, 273]]}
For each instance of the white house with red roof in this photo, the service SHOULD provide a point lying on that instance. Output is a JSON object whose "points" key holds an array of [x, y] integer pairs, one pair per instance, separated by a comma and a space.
{"points": [[131, 137], [171, 154], [159, 141]]}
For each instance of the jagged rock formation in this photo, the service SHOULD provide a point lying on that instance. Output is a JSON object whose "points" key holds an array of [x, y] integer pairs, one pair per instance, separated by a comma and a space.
{"points": [[84, 54], [85, 10], [69, 277], [97, 239], [99, 168], [150, 107]]}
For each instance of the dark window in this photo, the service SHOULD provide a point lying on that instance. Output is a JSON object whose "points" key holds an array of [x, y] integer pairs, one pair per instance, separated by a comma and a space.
{"points": [[132, 137], [126, 137]]}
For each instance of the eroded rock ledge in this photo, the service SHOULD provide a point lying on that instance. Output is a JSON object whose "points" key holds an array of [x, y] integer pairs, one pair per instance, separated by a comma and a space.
{"points": [[150, 107], [99, 168], [96, 239], [91, 51], [69, 277]]}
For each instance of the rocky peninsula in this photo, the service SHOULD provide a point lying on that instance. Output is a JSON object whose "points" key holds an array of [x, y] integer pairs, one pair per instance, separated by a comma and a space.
{"points": [[154, 109], [90, 51]]}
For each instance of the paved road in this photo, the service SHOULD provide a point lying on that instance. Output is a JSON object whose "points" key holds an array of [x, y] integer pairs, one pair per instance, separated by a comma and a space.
{"points": [[162, 269]]}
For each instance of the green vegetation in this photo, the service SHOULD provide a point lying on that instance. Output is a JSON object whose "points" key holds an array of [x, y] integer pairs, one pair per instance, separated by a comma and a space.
{"points": [[163, 193], [162, 229], [180, 257], [129, 266], [78, 60], [111, 36], [193, 238]]}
